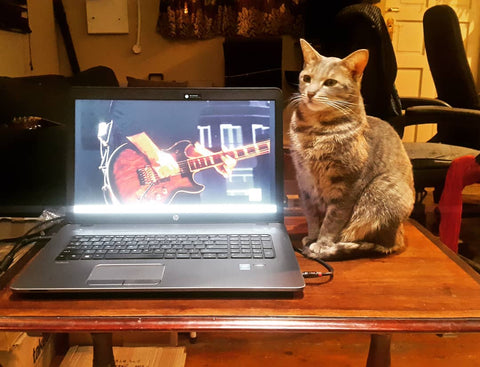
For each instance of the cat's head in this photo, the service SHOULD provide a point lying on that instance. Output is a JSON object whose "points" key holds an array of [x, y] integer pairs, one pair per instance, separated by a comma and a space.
{"points": [[330, 82]]}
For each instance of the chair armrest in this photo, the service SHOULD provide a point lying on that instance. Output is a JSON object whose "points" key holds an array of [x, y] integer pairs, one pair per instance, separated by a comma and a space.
{"points": [[408, 102], [441, 115]]}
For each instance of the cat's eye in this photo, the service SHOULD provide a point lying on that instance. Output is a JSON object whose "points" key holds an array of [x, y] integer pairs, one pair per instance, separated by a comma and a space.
{"points": [[307, 78], [330, 82]]}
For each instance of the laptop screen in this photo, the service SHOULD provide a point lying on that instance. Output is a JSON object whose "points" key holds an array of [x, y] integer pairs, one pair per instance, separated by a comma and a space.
{"points": [[176, 154]]}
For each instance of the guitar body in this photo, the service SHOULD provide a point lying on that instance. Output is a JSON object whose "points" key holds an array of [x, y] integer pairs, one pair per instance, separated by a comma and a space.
{"points": [[132, 178]]}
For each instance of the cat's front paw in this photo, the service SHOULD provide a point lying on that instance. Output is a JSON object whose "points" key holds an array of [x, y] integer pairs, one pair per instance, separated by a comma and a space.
{"points": [[320, 249], [307, 240]]}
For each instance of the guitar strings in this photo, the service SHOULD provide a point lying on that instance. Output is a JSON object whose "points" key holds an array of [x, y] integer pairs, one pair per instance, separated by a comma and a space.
{"points": [[258, 149]]}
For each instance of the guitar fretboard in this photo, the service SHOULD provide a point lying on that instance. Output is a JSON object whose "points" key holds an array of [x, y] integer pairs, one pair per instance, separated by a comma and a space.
{"points": [[215, 159]]}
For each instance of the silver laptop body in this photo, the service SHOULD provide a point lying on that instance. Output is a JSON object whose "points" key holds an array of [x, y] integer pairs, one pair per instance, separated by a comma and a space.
{"points": [[213, 221]]}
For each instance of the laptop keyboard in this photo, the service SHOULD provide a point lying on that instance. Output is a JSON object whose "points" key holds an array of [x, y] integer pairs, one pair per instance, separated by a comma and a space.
{"points": [[240, 246]]}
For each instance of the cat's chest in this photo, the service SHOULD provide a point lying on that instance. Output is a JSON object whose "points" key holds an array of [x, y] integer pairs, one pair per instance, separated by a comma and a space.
{"points": [[315, 175], [320, 172], [323, 168], [330, 158]]}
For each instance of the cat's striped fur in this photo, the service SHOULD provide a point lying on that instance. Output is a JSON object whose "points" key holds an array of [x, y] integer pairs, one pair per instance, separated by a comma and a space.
{"points": [[355, 178]]}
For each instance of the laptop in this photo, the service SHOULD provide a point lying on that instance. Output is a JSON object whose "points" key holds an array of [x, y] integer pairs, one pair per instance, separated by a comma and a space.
{"points": [[171, 190]]}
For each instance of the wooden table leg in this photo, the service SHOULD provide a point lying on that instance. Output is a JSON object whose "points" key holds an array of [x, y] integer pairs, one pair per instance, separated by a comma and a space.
{"points": [[102, 350], [379, 352]]}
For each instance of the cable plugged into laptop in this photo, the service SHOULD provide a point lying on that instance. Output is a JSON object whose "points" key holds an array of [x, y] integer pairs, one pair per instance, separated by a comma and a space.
{"points": [[318, 274]]}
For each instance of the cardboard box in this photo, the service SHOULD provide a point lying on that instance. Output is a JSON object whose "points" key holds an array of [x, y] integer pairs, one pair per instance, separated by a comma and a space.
{"points": [[82, 356], [28, 351], [8, 340]]}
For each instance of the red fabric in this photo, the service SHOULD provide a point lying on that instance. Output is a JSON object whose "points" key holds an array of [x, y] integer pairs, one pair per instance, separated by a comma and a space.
{"points": [[462, 172]]}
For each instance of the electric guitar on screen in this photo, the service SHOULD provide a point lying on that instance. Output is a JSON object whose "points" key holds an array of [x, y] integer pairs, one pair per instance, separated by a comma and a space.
{"points": [[132, 176]]}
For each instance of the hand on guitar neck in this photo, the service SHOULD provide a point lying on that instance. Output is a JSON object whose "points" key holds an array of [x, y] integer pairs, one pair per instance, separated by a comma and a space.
{"points": [[228, 162], [165, 164]]}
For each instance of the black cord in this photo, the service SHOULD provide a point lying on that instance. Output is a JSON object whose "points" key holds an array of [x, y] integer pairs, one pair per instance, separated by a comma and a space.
{"points": [[8, 258], [34, 234], [55, 221], [317, 274], [31, 232]]}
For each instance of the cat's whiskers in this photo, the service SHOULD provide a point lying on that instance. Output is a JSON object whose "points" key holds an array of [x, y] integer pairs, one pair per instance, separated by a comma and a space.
{"points": [[341, 106], [296, 99], [341, 102]]}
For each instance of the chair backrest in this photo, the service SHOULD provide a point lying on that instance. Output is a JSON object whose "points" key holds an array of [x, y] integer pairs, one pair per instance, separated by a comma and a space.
{"points": [[362, 26], [447, 58], [320, 21]]}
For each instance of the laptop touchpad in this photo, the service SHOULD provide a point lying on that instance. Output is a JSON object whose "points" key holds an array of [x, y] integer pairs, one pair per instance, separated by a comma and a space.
{"points": [[126, 274]]}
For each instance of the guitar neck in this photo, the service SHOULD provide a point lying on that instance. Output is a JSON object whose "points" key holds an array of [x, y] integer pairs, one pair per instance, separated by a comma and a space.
{"points": [[216, 159]]}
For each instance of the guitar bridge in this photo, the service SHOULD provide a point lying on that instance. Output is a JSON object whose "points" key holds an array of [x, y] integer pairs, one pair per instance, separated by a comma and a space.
{"points": [[147, 176]]}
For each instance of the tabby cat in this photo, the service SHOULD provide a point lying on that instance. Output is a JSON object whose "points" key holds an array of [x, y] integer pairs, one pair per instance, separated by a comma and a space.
{"points": [[354, 176]]}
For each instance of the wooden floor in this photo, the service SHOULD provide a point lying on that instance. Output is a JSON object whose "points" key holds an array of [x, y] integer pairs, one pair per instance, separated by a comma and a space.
{"points": [[338, 350]]}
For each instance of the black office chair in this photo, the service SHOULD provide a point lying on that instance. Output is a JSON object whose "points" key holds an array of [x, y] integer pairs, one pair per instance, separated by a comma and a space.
{"points": [[458, 125], [362, 26], [451, 74]]}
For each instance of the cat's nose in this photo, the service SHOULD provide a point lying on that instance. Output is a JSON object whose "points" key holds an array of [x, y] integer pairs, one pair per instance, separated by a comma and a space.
{"points": [[310, 95]]}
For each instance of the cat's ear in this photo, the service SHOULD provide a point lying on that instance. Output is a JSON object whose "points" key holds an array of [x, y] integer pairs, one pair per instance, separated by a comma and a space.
{"points": [[356, 62], [309, 53]]}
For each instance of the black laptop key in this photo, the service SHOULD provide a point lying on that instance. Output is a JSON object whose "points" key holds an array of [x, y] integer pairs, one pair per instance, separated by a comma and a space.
{"points": [[62, 257], [241, 256], [209, 256], [120, 256], [269, 254], [183, 255]]}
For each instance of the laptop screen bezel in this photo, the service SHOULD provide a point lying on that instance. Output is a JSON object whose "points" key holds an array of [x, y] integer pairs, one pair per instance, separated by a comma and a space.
{"points": [[220, 94]]}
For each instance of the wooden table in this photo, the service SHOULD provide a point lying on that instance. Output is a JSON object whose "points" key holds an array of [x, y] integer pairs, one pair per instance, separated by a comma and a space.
{"points": [[424, 289]]}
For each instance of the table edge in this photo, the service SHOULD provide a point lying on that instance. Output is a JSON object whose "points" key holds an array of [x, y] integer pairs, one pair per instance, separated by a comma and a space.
{"points": [[215, 323]]}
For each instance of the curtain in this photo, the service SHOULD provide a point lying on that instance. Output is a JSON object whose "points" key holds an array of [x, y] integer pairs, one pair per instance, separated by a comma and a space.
{"points": [[14, 16], [203, 19]]}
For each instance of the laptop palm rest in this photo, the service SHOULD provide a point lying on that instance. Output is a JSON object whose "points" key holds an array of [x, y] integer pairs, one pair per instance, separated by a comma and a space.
{"points": [[126, 274]]}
